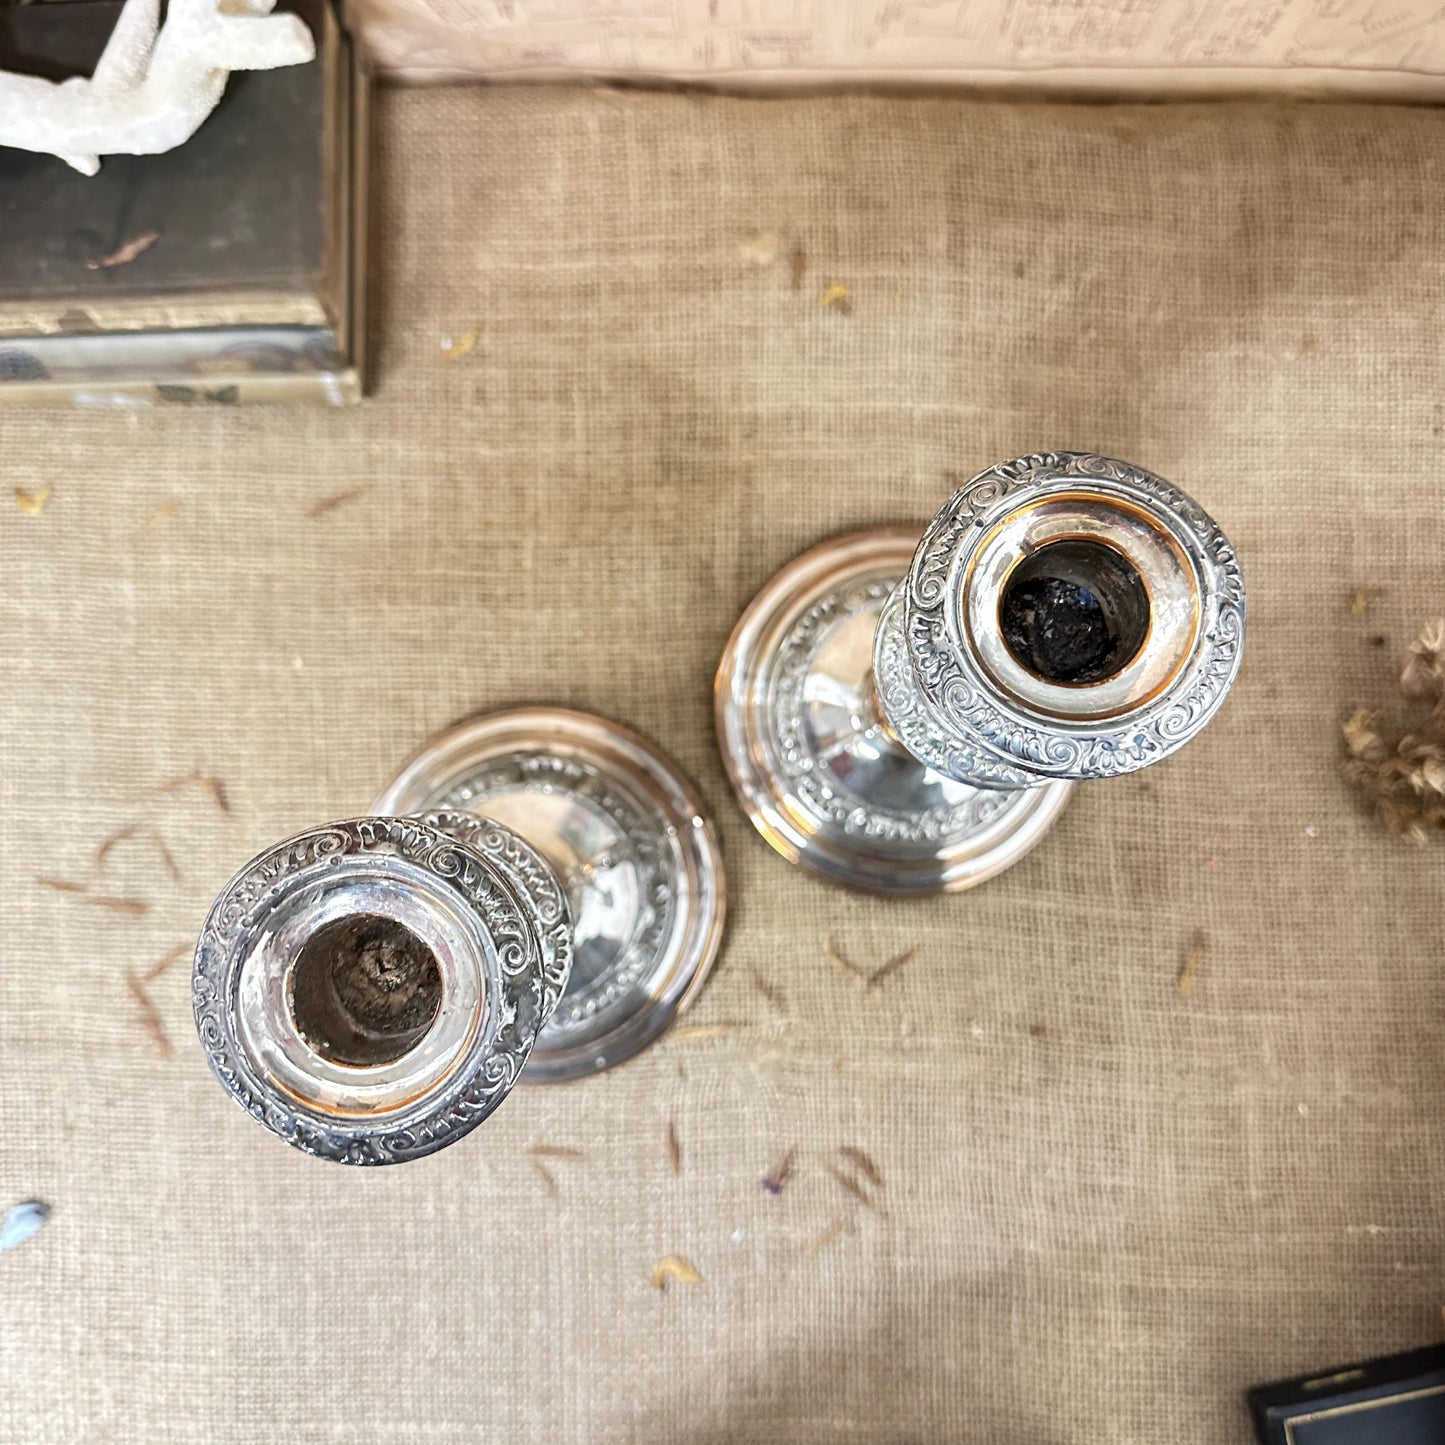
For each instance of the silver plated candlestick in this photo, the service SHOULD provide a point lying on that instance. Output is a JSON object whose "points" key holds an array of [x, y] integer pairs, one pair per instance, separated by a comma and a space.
{"points": [[908, 716], [538, 894], [633, 846]]}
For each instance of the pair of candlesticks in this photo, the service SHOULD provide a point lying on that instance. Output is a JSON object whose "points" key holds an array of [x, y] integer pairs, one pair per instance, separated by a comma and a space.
{"points": [[539, 893]]}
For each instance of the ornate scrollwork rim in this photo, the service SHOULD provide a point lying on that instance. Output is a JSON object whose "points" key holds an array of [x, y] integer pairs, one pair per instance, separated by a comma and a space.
{"points": [[956, 691], [482, 1079], [535, 887]]}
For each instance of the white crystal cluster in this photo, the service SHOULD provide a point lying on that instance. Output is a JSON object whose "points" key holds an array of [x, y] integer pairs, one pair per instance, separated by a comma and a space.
{"points": [[155, 83]]}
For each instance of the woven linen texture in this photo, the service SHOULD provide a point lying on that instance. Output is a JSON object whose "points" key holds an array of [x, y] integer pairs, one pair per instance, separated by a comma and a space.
{"points": [[618, 385]]}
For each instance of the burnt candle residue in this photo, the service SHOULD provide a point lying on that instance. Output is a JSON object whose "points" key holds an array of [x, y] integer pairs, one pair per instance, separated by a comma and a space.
{"points": [[364, 990], [1074, 612]]}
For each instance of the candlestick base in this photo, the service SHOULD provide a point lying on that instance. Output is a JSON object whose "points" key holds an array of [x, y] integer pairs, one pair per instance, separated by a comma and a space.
{"points": [[813, 766], [632, 844]]}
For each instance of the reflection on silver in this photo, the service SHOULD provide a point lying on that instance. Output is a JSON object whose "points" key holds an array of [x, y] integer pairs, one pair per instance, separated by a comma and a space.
{"points": [[973, 689], [635, 850], [909, 717], [463, 921], [823, 775], [536, 885]]}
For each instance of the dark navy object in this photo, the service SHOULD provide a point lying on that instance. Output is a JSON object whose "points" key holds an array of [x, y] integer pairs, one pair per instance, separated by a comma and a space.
{"points": [[1398, 1400]]}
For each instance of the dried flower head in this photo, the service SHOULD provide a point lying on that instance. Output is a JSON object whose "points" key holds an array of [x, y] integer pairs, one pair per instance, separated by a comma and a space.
{"points": [[1400, 768], [1424, 674], [1362, 737]]}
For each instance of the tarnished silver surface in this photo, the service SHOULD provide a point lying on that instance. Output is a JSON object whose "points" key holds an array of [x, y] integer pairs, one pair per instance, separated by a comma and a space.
{"points": [[632, 844], [356, 1091], [824, 779], [909, 716], [964, 690], [536, 887]]}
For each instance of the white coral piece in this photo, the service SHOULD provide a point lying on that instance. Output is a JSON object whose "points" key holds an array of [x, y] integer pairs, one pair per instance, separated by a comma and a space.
{"points": [[151, 90]]}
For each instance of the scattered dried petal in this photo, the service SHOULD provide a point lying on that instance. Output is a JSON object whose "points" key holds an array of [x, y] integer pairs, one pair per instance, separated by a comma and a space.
{"points": [[853, 1187], [180, 951], [22, 1222], [1193, 962], [214, 786], [167, 857], [845, 966], [1360, 598], [554, 1151], [1432, 637], [1432, 772], [161, 513], [776, 1180], [760, 250], [547, 1177], [149, 1016], [131, 907], [674, 1150], [335, 500], [1401, 771], [32, 503], [860, 977], [860, 1160], [134, 830], [826, 1238], [892, 966], [1424, 672], [800, 266], [769, 991], [123, 255], [836, 298], [703, 1031], [455, 350], [674, 1267]]}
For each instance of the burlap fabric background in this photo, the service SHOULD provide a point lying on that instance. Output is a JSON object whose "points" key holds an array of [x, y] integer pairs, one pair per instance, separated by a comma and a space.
{"points": [[1107, 1208]]}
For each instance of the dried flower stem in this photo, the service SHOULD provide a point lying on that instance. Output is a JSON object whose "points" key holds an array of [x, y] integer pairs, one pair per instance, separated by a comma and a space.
{"points": [[123, 255], [335, 500], [703, 1031], [149, 1016], [149, 835], [862, 1162], [776, 1180], [821, 1243], [845, 966], [1193, 960], [861, 977], [892, 966], [769, 991], [848, 1183], [131, 907], [180, 951], [214, 786]]}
